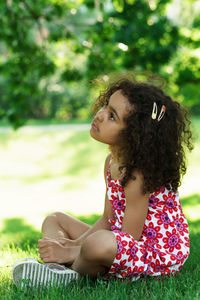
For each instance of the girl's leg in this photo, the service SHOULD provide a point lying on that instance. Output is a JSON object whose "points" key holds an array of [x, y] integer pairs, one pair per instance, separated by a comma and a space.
{"points": [[59, 225], [97, 254]]}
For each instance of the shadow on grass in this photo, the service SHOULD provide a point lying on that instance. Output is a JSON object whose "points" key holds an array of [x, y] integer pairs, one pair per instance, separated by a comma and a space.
{"points": [[192, 264], [89, 219], [191, 200], [18, 233]]}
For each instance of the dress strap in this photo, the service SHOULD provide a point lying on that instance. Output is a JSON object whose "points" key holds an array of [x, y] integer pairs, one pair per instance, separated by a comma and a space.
{"points": [[109, 173]]}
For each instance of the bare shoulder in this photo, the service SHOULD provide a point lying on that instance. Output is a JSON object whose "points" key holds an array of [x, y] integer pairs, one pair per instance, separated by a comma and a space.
{"points": [[107, 160], [135, 187]]}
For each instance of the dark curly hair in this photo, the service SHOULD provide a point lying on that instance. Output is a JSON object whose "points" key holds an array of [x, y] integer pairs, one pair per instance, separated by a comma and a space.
{"points": [[156, 149]]}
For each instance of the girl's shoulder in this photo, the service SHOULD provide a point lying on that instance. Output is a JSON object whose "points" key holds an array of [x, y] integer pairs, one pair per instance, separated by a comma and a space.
{"points": [[136, 182]]}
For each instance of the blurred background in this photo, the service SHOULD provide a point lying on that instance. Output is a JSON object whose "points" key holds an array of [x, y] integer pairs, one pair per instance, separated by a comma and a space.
{"points": [[51, 51]]}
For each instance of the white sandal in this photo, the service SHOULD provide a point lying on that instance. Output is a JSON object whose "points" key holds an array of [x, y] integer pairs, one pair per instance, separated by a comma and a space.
{"points": [[29, 272]]}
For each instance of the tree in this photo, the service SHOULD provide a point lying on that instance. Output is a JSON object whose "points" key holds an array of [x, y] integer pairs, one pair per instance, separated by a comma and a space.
{"points": [[51, 49]]}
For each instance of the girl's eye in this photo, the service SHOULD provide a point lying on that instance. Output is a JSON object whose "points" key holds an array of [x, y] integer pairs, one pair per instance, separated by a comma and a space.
{"points": [[111, 117]]}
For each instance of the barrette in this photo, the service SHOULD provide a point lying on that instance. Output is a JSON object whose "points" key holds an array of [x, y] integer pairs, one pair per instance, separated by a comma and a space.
{"points": [[162, 112], [154, 111]]}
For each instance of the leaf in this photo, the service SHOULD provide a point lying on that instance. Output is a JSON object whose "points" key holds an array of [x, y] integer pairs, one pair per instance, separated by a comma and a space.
{"points": [[119, 5]]}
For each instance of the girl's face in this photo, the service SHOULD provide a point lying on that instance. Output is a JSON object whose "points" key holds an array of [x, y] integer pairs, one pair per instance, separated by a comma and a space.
{"points": [[109, 120]]}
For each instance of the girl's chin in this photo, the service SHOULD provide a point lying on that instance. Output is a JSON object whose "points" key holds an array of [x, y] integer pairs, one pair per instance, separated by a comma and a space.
{"points": [[92, 133], [95, 136]]}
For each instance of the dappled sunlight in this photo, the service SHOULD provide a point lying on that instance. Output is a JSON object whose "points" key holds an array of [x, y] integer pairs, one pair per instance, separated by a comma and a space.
{"points": [[41, 173], [191, 207], [62, 170], [9, 254], [190, 184], [33, 201], [49, 155]]}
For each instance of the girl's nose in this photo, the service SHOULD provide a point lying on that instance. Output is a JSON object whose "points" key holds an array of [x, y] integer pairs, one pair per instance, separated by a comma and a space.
{"points": [[100, 115]]}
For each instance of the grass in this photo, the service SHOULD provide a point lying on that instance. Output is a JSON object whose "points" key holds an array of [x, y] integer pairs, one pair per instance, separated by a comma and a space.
{"points": [[184, 285], [49, 155], [29, 158]]}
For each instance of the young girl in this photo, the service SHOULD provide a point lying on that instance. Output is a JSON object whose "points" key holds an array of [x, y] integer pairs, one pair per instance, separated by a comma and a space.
{"points": [[143, 230]]}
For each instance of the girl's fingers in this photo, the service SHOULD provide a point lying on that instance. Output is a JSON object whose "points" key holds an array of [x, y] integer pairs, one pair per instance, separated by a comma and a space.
{"points": [[43, 243], [42, 252]]}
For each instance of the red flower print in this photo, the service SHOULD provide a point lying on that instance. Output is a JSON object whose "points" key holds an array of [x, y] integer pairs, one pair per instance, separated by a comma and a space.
{"points": [[162, 189], [111, 221], [121, 219], [172, 241], [156, 193], [163, 219], [162, 268], [179, 268], [143, 258], [115, 228], [181, 225], [166, 271], [152, 233], [118, 204], [113, 197], [123, 234], [157, 266], [187, 244], [149, 218], [135, 270], [156, 253], [170, 203], [113, 186], [164, 244], [121, 189], [153, 201], [118, 267], [120, 247], [132, 250], [179, 257]]}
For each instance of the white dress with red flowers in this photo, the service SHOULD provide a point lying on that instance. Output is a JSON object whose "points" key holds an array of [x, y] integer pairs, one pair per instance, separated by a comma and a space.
{"points": [[164, 245]]}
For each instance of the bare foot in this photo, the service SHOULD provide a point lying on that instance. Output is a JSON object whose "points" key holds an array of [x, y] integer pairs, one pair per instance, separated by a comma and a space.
{"points": [[67, 242], [51, 250]]}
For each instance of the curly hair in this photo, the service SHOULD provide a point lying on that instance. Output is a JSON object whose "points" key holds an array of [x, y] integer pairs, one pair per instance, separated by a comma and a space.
{"points": [[156, 149]]}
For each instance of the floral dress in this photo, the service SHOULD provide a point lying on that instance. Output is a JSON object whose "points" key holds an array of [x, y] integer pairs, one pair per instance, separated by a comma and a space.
{"points": [[164, 245]]}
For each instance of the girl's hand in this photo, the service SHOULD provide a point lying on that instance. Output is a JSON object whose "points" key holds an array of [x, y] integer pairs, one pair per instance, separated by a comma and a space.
{"points": [[51, 250]]}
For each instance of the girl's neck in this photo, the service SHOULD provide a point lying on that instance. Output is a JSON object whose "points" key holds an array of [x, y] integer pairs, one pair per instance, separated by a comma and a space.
{"points": [[116, 171], [115, 159], [115, 155]]}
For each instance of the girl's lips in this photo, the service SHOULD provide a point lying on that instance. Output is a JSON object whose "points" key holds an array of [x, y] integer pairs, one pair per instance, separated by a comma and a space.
{"points": [[94, 126]]}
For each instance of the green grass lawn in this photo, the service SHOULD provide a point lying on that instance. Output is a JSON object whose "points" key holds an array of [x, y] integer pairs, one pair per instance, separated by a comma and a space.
{"points": [[19, 235], [184, 285]]}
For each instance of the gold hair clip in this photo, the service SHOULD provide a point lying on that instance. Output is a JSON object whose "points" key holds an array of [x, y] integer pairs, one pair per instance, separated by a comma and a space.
{"points": [[162, 112], [154, 111]]}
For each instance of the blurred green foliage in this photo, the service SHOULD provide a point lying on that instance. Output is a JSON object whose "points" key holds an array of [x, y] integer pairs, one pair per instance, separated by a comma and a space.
{"points": [[50, 50]]}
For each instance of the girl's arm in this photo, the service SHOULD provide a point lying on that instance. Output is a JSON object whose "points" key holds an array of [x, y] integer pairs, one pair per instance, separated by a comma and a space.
{"points": [[136, 208], [102, 223]]}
